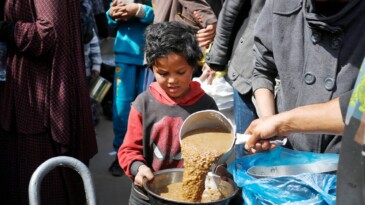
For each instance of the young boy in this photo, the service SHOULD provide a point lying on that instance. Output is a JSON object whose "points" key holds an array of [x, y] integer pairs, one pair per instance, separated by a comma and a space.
{"points": [[152, 140], [130, 18]]}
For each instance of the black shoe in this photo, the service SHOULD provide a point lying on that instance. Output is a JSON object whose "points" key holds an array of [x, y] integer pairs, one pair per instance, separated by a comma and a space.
{"points": [[115, 169]]}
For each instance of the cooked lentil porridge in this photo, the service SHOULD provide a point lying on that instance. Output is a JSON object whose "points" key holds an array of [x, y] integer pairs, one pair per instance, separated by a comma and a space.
{"points": [[200, 148]]}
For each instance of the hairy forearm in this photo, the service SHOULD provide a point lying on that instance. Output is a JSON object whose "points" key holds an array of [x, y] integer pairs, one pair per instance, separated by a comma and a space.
{"points": [[265, 102], [315, 118]]}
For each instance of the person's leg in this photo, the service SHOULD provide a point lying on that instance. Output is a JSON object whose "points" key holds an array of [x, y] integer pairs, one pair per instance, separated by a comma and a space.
{"points": [[124, 94], [244, 114]]}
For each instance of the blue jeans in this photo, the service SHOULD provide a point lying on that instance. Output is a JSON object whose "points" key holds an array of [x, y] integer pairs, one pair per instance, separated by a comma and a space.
{"points": [[244, 114], [128, 83]]}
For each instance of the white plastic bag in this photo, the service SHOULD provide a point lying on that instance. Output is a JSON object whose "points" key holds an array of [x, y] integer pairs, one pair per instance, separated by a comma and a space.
{"points": [[220, 90]]}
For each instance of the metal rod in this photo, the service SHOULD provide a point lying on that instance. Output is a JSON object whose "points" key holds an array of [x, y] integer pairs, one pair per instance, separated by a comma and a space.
{"points": [[63, 161]]}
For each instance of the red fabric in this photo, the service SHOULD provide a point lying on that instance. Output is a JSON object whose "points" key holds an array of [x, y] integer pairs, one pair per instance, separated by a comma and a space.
{"points": [[46, 86], [194, 94], [132, 147]]}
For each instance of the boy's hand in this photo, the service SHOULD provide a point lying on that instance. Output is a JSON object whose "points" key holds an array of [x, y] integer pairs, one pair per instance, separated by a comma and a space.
{"points": [[143, 172], [123, 11], [115, 10], [128, 10]]}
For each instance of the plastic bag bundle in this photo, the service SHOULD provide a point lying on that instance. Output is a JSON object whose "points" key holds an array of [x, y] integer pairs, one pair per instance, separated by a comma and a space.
{"points": [[220, 90], [311, 188]]}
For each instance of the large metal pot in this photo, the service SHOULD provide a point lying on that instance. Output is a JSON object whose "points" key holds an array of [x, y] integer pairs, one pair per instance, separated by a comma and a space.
{"points": [[168, 176]]}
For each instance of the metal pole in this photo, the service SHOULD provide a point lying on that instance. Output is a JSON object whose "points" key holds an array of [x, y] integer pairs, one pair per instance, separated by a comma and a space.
{"points": [[50, 164]]}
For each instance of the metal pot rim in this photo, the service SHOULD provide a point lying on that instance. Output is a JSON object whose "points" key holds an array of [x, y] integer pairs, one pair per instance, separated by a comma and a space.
{"points": [[145, 186]]}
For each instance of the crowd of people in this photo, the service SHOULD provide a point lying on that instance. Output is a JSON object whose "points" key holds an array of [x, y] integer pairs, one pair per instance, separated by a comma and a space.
{"points": [[293, 66]]}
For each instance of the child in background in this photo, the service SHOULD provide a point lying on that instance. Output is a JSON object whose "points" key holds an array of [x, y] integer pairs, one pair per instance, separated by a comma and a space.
{"points": [[92, 57], [91, 50], [152, 140], [130, 18]]}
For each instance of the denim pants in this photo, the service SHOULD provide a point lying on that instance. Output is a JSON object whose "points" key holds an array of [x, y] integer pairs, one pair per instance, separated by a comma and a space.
{"points": [[128, 83], [244, 114]]}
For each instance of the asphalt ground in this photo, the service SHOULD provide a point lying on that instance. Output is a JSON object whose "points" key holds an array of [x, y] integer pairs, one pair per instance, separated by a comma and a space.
{"points": [[109, 190]]}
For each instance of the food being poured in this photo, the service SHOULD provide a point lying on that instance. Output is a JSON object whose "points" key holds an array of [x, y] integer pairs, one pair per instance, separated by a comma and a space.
{"points": [[200, 149]]}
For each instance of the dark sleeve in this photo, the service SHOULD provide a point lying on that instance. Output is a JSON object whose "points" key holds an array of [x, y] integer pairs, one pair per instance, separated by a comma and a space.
{"points": [[265, 69], [102, 25], [344, 103], [219, 54], [6, 31], [216, 6]]}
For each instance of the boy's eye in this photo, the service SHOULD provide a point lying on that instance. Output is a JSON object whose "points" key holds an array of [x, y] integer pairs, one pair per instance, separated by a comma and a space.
{"points": [[162, 74], [181, 72]]}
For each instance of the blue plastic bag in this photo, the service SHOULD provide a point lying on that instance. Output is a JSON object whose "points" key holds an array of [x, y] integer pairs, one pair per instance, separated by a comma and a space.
{"points": [[294, 190]]}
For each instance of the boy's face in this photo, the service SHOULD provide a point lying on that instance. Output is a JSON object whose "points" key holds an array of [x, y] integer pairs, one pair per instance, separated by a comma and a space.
{"points": [[173, 74]]}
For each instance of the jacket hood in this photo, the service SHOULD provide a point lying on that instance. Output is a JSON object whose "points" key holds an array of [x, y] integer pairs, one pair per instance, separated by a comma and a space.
{"points": [[194, 94]]}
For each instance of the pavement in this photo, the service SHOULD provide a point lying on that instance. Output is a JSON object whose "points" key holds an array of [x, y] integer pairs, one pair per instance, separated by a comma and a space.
{"points": [[110, 190]]}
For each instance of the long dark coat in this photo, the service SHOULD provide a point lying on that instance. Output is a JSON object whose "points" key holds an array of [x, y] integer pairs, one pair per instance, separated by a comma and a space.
{"points": [[44, 103]]}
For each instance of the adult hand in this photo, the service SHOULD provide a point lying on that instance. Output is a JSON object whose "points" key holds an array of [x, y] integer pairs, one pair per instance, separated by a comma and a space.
{"points": [[207, 74], [261, 131], [206, 35], [143, 172]]}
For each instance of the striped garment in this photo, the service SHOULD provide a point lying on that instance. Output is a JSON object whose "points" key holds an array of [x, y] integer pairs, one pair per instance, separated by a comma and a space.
{"points": [[92, 55]]}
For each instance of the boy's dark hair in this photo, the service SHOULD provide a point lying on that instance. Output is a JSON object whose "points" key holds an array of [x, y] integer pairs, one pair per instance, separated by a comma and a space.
{"points": [[165, 38]]}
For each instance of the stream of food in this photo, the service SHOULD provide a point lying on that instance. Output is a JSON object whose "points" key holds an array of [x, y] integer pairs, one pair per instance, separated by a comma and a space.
{"points": [[200, 149]]}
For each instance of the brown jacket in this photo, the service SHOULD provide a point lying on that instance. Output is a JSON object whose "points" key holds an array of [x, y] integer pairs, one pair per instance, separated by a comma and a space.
{"points": [[168, 10]]}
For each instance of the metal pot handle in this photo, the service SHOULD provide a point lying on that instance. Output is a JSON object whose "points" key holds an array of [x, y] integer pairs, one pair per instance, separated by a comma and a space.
{"points": [[50, 164], [242, 139]]}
